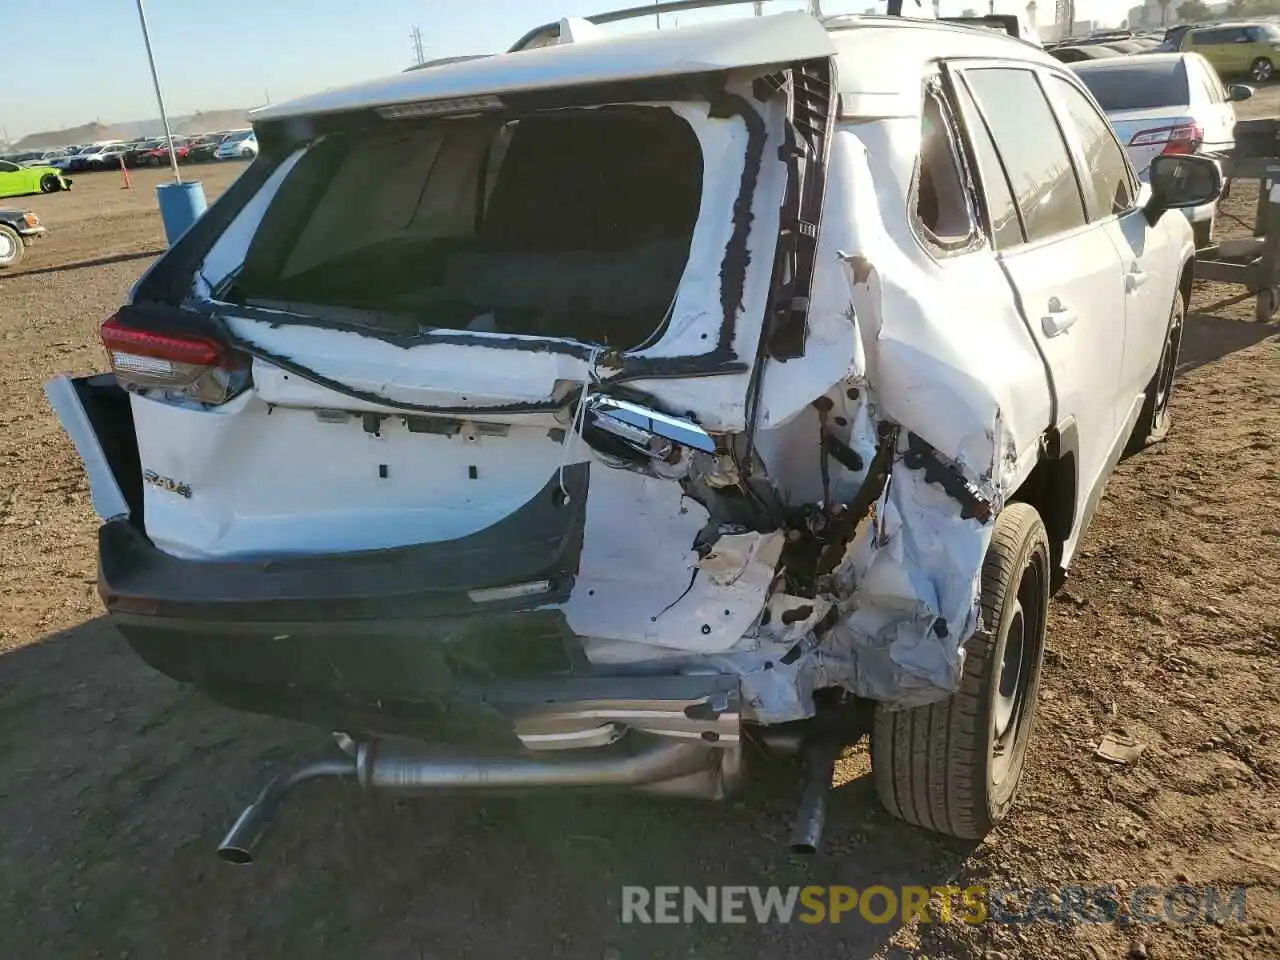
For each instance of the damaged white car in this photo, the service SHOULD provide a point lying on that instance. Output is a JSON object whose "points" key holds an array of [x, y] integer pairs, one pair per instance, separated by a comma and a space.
{"points": [[624, 400]]}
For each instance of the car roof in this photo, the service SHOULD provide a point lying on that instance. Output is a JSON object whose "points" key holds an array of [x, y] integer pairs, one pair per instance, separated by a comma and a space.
{"points": [[1147, 60], [880, 58]]}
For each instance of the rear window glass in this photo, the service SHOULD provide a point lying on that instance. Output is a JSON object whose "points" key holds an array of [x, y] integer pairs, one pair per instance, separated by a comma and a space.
{"points": [[572, 223], [1138, 86]]}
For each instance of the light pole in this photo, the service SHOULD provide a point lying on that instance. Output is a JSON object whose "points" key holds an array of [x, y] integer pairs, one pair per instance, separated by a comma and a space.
{"points": [[181, 204], [155, 78]]}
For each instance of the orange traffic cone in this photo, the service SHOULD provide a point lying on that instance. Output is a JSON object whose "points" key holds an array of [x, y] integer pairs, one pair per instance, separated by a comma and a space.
{"points": [[124, 172]]}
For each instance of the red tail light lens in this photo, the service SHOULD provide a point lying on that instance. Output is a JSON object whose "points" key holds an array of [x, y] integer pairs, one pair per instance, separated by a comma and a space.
{"points": [[1178, 138], [194, 366]]}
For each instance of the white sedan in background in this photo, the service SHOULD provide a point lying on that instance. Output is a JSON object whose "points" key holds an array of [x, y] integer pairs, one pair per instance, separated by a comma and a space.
{"points": [[1164, 103], [241, 145]]}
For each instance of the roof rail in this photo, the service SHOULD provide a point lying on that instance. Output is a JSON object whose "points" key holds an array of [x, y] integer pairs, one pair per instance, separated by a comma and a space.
{"points": [[552, 30], [1007, 22]]}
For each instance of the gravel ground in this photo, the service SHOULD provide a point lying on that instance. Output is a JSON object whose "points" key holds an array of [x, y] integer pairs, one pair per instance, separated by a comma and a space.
{"points": [[116, 783]]}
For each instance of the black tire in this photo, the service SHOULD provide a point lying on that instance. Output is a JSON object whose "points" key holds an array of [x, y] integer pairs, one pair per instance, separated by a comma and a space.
{"points": [[50, 183], [946, 767], [1261, 70], [12, 249], [1154, 421]]}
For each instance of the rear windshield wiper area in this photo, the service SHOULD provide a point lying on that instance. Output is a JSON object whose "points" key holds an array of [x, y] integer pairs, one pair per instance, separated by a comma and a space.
{"points": [[571, 224]]}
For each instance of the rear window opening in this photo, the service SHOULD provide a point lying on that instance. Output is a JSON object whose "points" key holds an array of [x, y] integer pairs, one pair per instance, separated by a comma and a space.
{"points": [[568, 224]]}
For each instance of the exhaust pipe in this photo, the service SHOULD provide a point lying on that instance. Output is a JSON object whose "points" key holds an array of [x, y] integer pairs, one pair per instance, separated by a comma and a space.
{"points": [[237, 846], [820, 758], [387, 766]]}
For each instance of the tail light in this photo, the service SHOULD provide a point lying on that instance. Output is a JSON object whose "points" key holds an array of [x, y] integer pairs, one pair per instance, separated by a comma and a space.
{"points": [[1179, 138], [196, 367]]}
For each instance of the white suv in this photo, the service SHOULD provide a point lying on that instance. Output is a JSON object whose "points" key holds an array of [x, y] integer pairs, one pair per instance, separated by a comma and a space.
{"points": [[622, 398]]}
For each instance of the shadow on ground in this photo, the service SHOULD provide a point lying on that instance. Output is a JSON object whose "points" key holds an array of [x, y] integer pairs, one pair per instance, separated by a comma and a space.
{"points": [[116, 784], [1208, 338], [85, 264]]}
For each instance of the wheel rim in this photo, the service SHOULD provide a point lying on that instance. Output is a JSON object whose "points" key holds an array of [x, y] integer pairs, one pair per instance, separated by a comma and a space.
{"points": [[1019, 666], [1262, 70], [1010, 673], [1168, 365], [6, 248]]}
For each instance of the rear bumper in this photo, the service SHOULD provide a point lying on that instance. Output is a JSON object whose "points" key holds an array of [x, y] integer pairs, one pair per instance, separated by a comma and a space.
{"points": [[391, 642]]}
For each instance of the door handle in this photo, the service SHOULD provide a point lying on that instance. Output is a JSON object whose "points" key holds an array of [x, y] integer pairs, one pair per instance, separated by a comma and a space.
{"points": [[1134, 279], [1058, 320]]}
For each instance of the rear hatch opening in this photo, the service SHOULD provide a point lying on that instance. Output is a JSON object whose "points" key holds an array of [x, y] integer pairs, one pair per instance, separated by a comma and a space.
{"points": [[571, 224]]}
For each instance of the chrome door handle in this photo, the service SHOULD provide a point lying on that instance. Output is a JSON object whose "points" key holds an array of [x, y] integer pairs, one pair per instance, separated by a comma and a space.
{"points": [[1058, 320]]}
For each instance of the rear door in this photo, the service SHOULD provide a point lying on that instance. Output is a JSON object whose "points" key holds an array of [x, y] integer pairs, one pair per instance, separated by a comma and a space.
{"points": [[1146, 254], [1064, 268]]}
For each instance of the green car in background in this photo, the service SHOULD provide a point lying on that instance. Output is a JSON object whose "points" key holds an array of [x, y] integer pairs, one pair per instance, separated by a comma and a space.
{"points": [[16, 181], [1236, 49]]}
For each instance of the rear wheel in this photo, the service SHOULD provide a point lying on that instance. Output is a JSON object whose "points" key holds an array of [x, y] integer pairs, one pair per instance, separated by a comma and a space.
{"points": [[1261, 70], [11, 248], [955, 766], [50, 183], [1154, 421]]}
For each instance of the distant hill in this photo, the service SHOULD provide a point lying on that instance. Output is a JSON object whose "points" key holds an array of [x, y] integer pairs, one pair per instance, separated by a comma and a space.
{"points": [[205, 121], [86, 133]]}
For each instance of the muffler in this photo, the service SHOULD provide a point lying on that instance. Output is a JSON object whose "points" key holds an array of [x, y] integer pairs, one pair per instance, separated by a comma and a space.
{"points": [[381, 765]]}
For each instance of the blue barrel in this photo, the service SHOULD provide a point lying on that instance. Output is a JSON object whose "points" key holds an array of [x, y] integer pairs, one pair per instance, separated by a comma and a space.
{"points": [[180, 206]]}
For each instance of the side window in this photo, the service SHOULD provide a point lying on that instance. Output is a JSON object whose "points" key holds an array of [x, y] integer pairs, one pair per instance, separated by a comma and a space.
{"points": [[942, 207], [1002, 214], [1106, 178], [7, 167], [1031, 147]]}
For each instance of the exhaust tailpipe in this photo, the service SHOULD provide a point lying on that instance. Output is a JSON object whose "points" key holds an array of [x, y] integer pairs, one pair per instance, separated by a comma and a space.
{"points": [[820, 758], [391, 766], [237, 846]]}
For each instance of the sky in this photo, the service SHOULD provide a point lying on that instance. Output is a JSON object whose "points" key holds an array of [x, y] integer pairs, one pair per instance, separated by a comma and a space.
{"points": [[90, 64]]}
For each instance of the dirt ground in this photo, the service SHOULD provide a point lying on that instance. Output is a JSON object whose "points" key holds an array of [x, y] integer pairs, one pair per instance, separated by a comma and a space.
{"points": [[116, 783]]}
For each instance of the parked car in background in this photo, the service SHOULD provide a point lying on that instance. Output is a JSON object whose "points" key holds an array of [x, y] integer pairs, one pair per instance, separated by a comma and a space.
{"points": [[1240, 49], [16, 181], [1172, 40], [18, 230], [202, 148], [39, 158], [94, 156], [1079, 53], [767, 404], [139, 154], [240, 145], [105, 157], [159, 155], [1167, 103], [1126, 47]]}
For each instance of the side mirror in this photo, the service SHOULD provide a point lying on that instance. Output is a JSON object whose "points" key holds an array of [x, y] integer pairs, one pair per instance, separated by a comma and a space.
{"points": [[1237, 92], [1182, 180]]}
